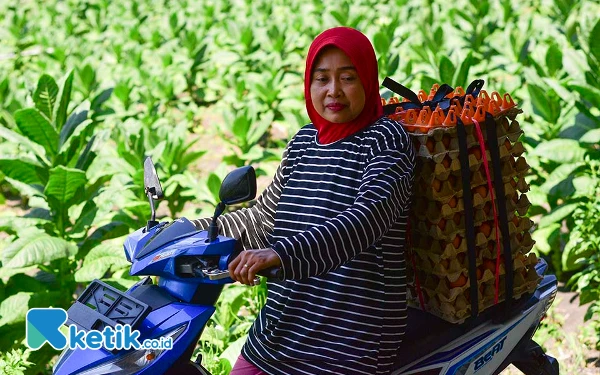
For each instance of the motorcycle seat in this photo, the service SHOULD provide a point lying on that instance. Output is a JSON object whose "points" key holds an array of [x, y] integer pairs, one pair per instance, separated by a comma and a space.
{"points": [[425, 333]]}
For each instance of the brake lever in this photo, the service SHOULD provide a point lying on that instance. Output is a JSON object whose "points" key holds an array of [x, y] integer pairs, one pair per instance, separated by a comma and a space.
{"points": [[217, 274]]}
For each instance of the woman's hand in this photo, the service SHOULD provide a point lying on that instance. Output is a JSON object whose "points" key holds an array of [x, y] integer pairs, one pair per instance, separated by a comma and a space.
{"points": [[249, 262]]}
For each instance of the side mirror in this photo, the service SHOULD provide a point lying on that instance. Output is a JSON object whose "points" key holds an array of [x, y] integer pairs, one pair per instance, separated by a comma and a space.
{"points": [[237, 187], [152, 189], [151, 182]]}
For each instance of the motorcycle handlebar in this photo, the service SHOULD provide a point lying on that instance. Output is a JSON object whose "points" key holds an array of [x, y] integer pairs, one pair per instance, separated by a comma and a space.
{"points": [[272, 273]]}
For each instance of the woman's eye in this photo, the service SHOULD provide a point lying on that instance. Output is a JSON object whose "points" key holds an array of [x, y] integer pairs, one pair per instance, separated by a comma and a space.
{"points": [[348, 78]]}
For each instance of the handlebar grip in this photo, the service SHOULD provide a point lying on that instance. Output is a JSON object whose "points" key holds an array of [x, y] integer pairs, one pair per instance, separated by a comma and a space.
{"points": [[272, 273]]}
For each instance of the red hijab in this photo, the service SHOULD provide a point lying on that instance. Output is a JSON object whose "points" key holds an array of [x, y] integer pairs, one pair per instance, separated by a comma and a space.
{"points": [[360, 51]]}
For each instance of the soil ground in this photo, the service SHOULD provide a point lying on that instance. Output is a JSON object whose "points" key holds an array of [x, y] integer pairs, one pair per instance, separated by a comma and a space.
{"points": [[573, 341]]}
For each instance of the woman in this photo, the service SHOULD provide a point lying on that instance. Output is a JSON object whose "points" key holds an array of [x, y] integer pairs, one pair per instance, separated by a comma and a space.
{"points": [[334, 219]]}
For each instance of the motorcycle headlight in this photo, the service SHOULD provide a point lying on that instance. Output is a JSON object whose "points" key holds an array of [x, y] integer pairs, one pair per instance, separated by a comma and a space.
{"points": [[133, 362]]}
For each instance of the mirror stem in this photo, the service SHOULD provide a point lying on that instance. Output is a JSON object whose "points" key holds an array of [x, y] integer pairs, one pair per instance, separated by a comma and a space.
{"points": [[213, 229], [152, 222]]}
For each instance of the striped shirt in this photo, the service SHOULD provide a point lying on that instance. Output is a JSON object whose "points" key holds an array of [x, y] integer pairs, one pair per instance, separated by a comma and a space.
{"points": [[336, 215]]}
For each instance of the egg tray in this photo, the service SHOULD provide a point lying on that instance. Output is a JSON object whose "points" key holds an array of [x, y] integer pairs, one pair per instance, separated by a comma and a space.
{"points": [[509, 168], [436, 287], [438, 250], [459, 309], [437, 150], [424, 209], [480, 215], [429, 169], [451, 269], [503, 121], [453, 188], [431, 260], [506, 127], [450, 228]]}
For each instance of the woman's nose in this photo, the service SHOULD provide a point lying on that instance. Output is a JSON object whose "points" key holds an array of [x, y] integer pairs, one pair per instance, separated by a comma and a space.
{"points": [[334, 88]]}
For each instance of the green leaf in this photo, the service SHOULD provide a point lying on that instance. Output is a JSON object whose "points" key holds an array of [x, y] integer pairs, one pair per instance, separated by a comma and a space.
{"points": [[14, 308], [584, 186], [24, 142], [87, 77], [588, 93], [447, 70], [559, 175], [25, 283], [592, 136], [463, 72], [75, 120], [8, 118], [214, 185], [100, 99], [20, 170], [393, 62], [87, 156], [554, 59], [45, 95], [36, 249], [260, 128], [61, 106], [6, 272], [558, 214], [341, 18], [191, 157], [588, 294], [85, 220], [546, 105], [64, 183], [233, 350], [37, 128], [573, 253], [102, 258], [19, 222], [26, 189], [240, 128], [381, 41], [594, 41], [537, 197], [546, 239], [111, 230], [561, 151]]}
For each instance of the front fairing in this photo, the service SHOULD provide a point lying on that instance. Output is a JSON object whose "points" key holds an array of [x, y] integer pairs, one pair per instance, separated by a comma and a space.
{"points": [[155, 252], [156, 324]]}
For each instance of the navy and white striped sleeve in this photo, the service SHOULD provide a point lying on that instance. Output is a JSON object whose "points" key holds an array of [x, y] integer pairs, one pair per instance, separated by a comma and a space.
{"points": [[384, 194], [253, 226]]}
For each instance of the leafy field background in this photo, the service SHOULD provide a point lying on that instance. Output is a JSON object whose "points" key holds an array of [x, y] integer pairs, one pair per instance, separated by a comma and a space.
{"points": [[88, 88]]}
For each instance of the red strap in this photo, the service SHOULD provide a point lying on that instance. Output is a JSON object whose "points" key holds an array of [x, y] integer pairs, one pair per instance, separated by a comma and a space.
{"points": [[490, 189], [412, 259]]}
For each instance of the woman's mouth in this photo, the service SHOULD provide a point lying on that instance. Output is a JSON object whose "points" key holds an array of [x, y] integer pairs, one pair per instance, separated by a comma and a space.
{"points": [[335, 107]]}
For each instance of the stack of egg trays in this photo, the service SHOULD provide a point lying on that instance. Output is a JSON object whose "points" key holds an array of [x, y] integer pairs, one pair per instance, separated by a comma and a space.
{"points": [[438, 227]]}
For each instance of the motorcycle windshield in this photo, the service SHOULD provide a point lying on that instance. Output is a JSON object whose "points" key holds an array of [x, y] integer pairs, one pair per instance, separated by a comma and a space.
{"points": [[168, 233]]}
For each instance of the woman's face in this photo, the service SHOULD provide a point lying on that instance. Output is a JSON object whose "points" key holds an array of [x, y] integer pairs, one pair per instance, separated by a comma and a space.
{"points": [[336, 91]]}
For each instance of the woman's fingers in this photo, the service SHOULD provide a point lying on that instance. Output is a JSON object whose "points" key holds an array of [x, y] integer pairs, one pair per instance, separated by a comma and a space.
{"points": [[233, 268], [244, 273], [245, 267]]}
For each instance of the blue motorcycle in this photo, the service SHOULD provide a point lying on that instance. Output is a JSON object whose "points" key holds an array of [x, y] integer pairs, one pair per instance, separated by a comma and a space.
{"points": [[192, 269]]}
